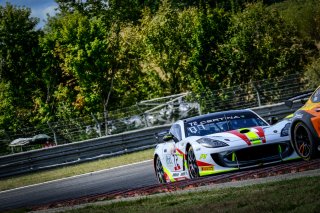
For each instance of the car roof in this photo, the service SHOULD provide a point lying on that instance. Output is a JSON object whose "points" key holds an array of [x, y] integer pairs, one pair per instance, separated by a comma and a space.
{"points": [[223, 113]]}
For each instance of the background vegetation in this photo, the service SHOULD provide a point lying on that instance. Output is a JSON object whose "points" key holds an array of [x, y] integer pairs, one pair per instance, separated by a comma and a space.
{"points": [[95, 56]]}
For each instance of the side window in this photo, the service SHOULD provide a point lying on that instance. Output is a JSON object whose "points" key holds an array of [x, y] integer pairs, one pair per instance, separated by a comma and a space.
{"points": [[176, 131], [316, 96]]}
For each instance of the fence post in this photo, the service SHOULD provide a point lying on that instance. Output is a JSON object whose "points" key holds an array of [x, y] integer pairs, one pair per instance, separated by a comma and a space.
{"points": [[54, 133], [97, 123], [144, 114], [105, 113], [257, 93], [199, 108]]}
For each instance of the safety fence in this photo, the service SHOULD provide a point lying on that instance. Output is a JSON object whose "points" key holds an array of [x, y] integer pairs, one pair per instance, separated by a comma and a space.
{"points": [[105, 146], [161, 111]]}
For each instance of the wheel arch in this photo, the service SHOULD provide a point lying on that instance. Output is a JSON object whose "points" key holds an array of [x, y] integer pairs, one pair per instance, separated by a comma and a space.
{"points": [[307, 123], [187, 147]]}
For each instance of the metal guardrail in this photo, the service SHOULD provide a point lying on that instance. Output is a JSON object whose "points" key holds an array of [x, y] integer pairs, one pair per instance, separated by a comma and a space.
{"points": [[104, 146]]}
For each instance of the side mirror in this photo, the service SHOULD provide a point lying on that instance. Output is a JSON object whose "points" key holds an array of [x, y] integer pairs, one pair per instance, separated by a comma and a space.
{"points": [[288, 103], [273, 120], [159, 135], [168, 137]]}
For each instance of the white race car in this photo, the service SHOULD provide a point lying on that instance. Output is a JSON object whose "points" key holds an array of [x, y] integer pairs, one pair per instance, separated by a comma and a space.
{"points": [[220, 142]]}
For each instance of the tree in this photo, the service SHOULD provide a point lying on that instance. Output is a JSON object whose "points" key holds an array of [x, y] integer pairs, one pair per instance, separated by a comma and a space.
{"points": [[305, 16], [167, 48], [181, 45], [93, 58], [260, 46], [19, 71]]}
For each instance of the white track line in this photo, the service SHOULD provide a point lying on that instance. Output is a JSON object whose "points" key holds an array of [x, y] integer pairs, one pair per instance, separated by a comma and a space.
{"points": [[76, 176]]}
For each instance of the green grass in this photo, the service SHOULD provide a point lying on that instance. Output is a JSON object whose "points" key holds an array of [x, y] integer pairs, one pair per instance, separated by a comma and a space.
{"points": [[68, 171], [297, 195]]}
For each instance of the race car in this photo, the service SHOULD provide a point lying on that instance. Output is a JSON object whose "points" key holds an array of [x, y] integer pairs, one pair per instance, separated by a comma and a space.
{"points": [[220, 142], [305, 128]]}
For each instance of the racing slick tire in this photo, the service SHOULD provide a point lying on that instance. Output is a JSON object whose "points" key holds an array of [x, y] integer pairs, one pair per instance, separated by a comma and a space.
{"points": [[303, 142], [193, 168], [159, 171]]}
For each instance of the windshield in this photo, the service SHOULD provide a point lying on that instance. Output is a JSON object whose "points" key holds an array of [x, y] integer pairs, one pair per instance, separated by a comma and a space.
{"points": [[316, 96], [215, 123]]}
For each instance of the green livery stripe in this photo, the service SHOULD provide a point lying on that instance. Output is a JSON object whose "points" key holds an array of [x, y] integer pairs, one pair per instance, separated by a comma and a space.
{"points": [[169, 174], [204, 173], [254, 138], [234, 156]]}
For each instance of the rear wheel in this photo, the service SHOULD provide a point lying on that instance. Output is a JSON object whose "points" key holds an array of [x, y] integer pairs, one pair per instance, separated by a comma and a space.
{"points": [[192, 164], [303, 141], [159, 171]]}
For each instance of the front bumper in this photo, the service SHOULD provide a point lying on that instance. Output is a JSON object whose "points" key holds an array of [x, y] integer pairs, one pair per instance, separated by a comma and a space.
{"points": [[254, 155]]}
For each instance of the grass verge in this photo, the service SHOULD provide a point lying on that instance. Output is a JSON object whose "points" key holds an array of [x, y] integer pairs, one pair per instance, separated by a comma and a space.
{"points": [[297, 195], [68, 171]]}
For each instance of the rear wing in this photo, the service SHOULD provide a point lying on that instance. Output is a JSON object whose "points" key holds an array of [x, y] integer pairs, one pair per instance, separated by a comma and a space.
{"points": [[303, 98]]}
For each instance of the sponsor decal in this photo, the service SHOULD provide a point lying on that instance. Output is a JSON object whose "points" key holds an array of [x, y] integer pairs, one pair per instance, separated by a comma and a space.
{"points": [[177, 167], [214, 120], [175, 175], [169, 160], [203, 156], [206, 168], [298, 115]]}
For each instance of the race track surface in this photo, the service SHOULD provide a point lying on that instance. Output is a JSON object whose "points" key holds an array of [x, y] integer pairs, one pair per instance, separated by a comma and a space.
{"points": [[126, 181], [125, 177]]}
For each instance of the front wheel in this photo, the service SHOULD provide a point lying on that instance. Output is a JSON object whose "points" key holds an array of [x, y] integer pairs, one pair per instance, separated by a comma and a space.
{"points": [[303, 142], [159, 171], [192, 164]]}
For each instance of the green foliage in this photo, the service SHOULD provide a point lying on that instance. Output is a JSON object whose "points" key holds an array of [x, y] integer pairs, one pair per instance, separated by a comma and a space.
{"points": [[166, 46], [181, 45], [97, 56], [304, 15], [19, 65], [313, 73], [260, 46]]}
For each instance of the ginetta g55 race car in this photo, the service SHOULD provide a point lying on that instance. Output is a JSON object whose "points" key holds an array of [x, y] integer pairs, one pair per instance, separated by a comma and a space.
{"points": [[305, 129], [220, 142]]}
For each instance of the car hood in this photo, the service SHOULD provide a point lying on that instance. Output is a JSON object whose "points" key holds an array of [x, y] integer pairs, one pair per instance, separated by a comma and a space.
{"points": [[252, 135]]}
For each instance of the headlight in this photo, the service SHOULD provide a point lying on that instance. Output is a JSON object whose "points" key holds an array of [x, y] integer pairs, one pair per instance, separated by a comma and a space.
{"points": [[211, 143], [285, 130]]}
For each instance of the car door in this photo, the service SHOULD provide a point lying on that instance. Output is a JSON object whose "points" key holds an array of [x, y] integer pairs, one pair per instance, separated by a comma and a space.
{"points": [[173, 157]]}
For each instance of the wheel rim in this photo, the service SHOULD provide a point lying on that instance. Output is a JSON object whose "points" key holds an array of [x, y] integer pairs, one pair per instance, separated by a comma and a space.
{"points": [[192, 164], [302, 142], [159, 171]]}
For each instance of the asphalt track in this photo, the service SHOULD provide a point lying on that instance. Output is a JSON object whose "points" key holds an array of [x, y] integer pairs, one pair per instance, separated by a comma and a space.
{"points": [[120, 178], [136, 179]]}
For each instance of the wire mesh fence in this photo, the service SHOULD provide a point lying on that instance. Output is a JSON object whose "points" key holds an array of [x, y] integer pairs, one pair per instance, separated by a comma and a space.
{"points": [[163, 110], [254, 93]]}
